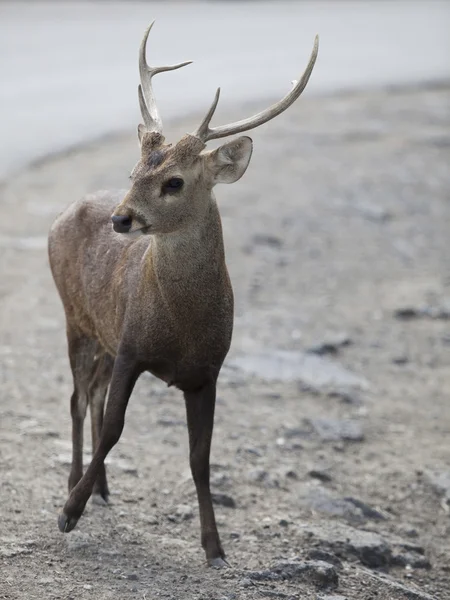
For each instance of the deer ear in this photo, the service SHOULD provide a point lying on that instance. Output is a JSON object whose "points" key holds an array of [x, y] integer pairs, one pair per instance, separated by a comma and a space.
{"points": [[229, 162]]}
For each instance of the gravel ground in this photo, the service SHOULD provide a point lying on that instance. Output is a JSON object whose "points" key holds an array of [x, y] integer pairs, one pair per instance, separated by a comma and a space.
{"points": [[331, 460]]}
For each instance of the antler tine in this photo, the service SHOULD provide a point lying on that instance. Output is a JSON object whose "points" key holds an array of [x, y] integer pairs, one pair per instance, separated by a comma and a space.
{"points": [[203, 129], [147, 103], [205, 133]]}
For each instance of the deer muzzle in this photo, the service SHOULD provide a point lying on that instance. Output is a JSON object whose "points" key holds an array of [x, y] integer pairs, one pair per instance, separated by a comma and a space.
{"points": [[121, 223]]}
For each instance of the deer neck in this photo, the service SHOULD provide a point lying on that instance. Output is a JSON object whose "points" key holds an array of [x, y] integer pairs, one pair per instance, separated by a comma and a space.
{"points": [[184, 261]]}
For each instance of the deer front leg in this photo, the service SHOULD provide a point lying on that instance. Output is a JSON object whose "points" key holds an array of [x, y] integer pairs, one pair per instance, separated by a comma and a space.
{"points": [[200, 419], [124, 376]]}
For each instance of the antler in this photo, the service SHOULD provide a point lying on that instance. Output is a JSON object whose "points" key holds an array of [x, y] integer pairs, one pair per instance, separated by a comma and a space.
{"points": [[149, 110], [205, 133]]}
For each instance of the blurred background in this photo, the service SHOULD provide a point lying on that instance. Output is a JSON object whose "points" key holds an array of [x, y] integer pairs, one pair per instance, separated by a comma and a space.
{"points": [[332, 426], [68, 71]]}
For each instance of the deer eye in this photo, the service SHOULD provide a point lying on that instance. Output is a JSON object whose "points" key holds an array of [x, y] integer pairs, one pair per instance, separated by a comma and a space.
{"points": [[172, 185]]}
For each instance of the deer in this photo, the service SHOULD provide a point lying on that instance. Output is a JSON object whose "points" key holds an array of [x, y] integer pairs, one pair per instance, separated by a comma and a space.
{"points": [[142, 277]]}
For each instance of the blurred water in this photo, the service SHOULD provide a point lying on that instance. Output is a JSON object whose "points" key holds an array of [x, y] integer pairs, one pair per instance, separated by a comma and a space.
{"points": [[68, 71]]}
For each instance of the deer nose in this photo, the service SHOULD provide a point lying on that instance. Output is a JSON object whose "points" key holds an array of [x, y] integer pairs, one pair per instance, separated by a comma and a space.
{"points": [[121, 223]]}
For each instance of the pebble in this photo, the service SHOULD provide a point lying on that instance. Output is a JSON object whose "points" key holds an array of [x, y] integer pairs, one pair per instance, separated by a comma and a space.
{"points": [[263, 239], [184, 511], [170, 422], [414, 312], [401, 359], [320, 474], [347, 396], [331, 344], [223, 500], [367, 511]]}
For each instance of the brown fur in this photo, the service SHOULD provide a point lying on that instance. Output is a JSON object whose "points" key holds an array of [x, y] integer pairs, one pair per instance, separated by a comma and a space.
{"points": [[161, 303]]}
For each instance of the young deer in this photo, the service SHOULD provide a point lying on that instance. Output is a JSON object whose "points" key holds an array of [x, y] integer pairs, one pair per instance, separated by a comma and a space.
{"points": [[152, 291]]}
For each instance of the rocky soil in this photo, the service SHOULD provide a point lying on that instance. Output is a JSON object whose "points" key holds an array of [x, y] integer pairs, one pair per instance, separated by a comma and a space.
{"points": [[331, 453]]}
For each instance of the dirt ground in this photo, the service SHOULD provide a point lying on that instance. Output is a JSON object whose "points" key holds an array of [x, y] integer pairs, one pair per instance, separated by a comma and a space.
{"points": [[337, 243]]}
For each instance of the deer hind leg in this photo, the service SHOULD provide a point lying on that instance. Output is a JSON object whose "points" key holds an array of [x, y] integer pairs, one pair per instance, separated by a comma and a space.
{"points": [[200, 419], [82, 352], [124, 375], [97, 394]]}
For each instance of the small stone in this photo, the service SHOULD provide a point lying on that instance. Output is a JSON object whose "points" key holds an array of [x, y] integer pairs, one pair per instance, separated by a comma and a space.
{"points": [[184, 511], [265, 575], [319, 474], [347, 396], [367, 511], [223, 500], [401, 359], [432, 312], [132, 577], [250, 450], [291, 474], [283, 523], [246, 582], [407, 312], [87, 586], [331, 344], [170, 422], [262, 239]]}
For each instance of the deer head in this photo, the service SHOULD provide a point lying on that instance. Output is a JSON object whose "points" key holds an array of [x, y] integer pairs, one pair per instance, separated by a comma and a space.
{"points": [[172, 185]]}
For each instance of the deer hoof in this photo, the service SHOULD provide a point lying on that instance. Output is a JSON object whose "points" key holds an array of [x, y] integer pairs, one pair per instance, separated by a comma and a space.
{"points": [[66, 523], [217, 563]]}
